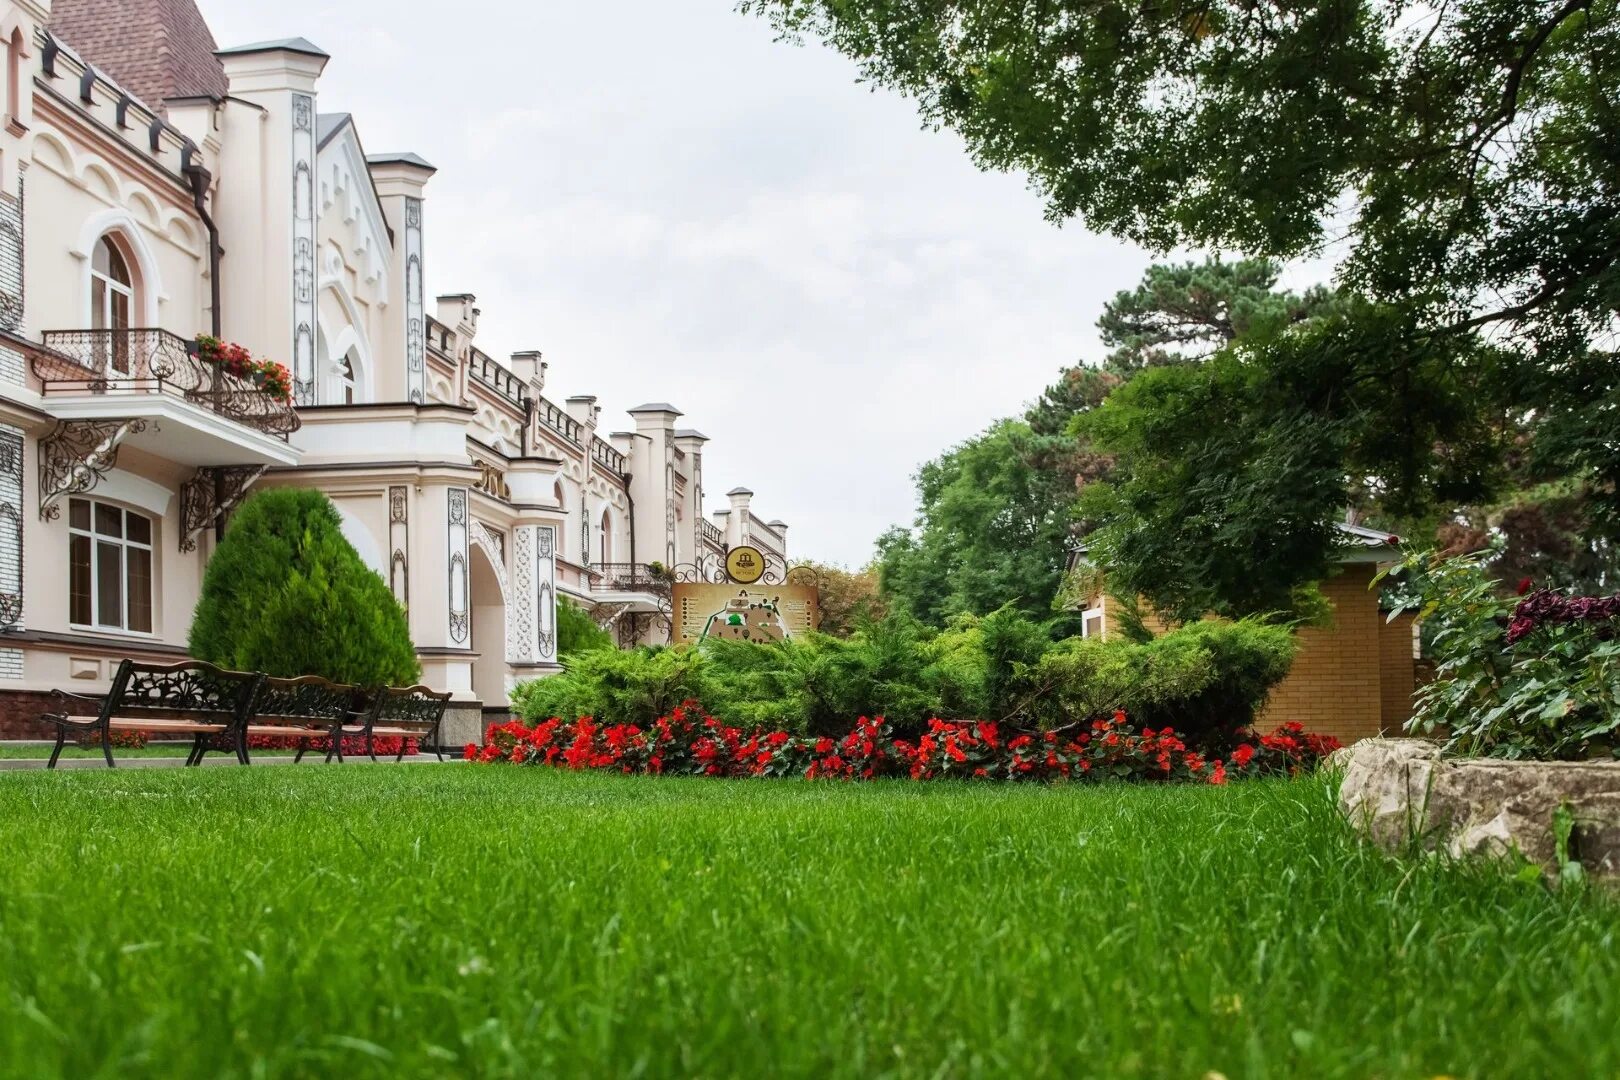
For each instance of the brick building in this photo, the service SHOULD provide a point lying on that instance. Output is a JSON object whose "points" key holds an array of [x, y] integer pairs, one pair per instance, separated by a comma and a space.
{"points": [[1351, 679]]}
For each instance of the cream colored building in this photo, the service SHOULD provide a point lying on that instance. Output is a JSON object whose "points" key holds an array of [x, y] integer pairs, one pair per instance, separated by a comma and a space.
{"points": [[154, 188]]}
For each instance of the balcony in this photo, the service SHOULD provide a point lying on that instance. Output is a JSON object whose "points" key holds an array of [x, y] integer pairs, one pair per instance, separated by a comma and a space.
{"points": [[148, 389], [628, 578], [133, 363]]}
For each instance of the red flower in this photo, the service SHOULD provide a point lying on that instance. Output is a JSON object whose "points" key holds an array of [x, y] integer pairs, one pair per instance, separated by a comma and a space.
{"points": [[1524, 586]]}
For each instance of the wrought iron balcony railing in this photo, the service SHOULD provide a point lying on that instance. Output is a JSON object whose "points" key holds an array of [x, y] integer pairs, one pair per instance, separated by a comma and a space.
{"points": [[714, 534], [628, 577], [607, 457], [154, 361]]}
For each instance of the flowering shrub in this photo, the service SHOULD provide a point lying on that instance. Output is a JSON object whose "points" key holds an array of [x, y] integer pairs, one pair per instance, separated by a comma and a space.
{"points": [[352, 744], [1533, 677], [690, 742], [272, 379]]}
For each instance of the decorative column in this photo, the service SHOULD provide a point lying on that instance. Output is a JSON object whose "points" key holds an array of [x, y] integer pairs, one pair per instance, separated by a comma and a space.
{"points": [[532, 622], [460, 607], [400, 180]]}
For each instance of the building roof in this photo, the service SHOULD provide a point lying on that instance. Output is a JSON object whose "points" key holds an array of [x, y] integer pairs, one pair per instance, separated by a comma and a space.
{"points": [[292, 44], [690, 433], [328, 125], [155, 49], [1355, 543], [740, 491], [401, 157], [655, 406]]}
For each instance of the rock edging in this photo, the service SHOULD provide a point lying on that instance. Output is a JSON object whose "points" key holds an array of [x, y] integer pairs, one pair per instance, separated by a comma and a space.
{"points": [[1401, 791]]}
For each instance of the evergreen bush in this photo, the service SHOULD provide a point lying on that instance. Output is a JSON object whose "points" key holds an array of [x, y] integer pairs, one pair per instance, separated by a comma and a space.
{"points": [[577, 632], [1207, 679], [287, 594]]}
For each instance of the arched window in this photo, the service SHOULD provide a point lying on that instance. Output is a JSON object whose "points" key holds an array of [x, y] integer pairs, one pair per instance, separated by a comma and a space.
{"points": [[112, 297], [345, 366], [606, 538]]}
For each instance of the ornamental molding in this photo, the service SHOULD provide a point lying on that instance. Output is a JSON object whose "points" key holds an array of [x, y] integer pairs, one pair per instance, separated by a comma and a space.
{"points": [[76, 456], [459, 623], [210, 495]]}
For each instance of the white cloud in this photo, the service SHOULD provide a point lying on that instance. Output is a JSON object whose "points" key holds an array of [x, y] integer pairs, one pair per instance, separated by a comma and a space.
{"points": [[673, 206]]}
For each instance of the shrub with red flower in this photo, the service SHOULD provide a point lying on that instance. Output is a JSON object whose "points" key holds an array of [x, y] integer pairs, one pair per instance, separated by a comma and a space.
{"points": [[690, 742], [271, 379]]}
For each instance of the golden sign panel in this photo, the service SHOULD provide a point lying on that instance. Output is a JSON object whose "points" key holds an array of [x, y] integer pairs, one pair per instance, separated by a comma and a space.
{"points": [[743, 612], [745, 565]]}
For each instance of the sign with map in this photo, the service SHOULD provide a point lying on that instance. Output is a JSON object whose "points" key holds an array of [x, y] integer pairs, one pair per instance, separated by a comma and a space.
{"points": [[743, 612]]}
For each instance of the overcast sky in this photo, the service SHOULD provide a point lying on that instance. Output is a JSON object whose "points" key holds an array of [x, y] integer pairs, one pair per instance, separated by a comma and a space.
{"points": [[673, 206]]}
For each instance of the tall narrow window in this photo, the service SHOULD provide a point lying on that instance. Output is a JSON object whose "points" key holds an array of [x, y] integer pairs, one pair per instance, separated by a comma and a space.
{"points": [[14, 51], [112, 295], [109, 567], [562, 508], [346, 378], [607, 542]]}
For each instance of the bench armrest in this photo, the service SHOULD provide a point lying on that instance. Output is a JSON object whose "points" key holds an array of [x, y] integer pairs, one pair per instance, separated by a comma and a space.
{"points": [[65, 703]]}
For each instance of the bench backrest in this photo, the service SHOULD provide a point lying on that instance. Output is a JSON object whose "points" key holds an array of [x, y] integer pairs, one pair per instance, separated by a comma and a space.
{"points": [[415, 708], [190, 687], [307, 701]]}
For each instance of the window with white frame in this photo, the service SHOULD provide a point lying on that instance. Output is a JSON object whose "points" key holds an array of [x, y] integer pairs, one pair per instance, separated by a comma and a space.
{"points": [[110, 557], [112, 298], [1093, 623]]}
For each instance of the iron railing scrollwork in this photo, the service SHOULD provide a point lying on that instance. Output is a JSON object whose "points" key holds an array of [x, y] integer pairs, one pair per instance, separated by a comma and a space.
{"points": [[210, 495], [11, 530], [145, 360], [76, 456]]}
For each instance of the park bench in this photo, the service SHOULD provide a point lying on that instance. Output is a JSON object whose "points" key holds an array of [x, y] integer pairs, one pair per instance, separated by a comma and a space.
{"points": [[191, 697], [220, 708], [304, 709], [411, 712]]}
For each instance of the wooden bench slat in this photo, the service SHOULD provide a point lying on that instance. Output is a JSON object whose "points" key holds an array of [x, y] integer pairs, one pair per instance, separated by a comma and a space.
{"points": [[290, 732]]}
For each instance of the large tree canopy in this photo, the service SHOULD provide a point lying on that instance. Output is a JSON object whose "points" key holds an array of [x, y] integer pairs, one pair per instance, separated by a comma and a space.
{"points": [[1459, 161]]}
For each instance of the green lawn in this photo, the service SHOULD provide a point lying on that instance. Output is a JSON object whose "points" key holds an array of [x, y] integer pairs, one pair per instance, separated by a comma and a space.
{"points": [[458, 920], [14, 751]]}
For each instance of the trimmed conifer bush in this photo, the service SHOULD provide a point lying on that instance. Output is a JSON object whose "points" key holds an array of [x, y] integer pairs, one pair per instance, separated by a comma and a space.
{"points": [[288, 595]]}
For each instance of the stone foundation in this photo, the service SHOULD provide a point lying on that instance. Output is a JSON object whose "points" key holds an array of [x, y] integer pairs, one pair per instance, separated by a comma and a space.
{"points": [[1401, 792], [463, 723]]}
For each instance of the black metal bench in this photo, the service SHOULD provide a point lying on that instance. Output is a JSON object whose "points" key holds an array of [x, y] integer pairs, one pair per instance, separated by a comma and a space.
{"points": [[192, 697], [411, 712], [304, 709], [223, 709]]}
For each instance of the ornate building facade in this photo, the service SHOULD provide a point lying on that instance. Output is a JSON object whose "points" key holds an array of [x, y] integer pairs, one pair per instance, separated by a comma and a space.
{"points": [[155, 189]]}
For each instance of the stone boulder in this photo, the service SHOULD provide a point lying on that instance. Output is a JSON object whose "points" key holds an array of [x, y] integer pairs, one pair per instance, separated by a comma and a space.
{"points": [[1400, 791]]}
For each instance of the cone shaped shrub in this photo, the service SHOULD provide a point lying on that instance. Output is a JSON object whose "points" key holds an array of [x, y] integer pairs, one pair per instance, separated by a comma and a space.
{"points": [[288, 595]]}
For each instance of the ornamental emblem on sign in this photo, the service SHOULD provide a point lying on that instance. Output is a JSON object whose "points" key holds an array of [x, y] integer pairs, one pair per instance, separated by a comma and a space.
{"points": [[745, 565]]}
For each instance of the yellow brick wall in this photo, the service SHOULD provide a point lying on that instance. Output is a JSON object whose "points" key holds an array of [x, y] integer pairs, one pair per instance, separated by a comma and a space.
{"points": [[1352, 679], [1336, 684], [1398, 672]]}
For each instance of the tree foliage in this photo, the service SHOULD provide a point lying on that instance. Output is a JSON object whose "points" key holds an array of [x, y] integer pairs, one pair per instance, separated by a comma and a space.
{"points": [[847, 597], [286, 594], [992, 529], [1461, 162], [577, 632]]}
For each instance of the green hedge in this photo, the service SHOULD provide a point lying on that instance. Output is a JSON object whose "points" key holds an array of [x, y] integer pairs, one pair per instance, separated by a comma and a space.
{"points": [[287, 594], [1206, 679]]}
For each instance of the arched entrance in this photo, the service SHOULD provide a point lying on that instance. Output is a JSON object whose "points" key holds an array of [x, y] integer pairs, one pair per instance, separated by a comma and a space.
{"points": [[488, 595]]}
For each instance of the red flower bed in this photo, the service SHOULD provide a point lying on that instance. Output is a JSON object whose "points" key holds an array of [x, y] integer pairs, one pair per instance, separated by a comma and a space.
{"points": [[1546, 607], [690, 742], [352, 744]]}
